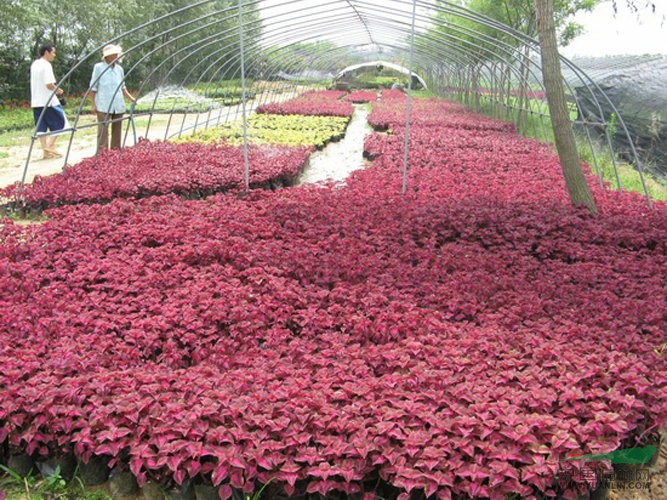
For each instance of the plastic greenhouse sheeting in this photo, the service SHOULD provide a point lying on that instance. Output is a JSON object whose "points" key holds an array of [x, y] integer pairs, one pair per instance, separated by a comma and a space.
{"points": [[636, 86]]}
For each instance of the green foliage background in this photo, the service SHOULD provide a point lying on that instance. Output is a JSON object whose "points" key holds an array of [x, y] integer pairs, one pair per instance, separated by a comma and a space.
{"points": [[79, 28]]}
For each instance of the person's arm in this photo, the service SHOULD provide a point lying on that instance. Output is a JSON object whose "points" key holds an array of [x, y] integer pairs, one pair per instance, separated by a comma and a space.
{"points": [[94, 82], [128, 95], [52, 86], [50, 79]]}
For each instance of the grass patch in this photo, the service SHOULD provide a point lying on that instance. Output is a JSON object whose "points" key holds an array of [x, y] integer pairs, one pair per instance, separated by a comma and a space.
{"points": [[23, 218], [424, 94], [52, 487], [12, 138], [627, 175], [226, 92], [15, 118], [175, 105], [538, 127]]}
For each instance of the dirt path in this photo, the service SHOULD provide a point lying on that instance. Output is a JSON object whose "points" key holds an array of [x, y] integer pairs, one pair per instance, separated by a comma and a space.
{"points": [[84, 142]]}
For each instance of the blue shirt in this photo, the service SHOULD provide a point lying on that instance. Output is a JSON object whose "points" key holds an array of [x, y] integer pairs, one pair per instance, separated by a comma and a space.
{"points": [[108, 83]]}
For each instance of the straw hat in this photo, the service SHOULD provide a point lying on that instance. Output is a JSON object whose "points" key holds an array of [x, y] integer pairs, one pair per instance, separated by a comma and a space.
{"points": [[111, 49]]}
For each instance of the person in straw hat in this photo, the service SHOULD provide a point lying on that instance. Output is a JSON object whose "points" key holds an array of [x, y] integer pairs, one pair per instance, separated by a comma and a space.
{"points": [[108, 92]]}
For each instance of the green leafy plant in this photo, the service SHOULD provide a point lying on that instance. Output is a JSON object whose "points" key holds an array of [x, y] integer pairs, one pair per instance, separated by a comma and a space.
{"points": [[225, 91], [612, 125], [257, 494], [16, 481], [54, 483], [16, 119], [51, 487], [290, 130]]}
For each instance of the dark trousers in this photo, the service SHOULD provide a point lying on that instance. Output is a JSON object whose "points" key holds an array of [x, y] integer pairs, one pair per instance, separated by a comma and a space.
{"points": [[103, 120]]}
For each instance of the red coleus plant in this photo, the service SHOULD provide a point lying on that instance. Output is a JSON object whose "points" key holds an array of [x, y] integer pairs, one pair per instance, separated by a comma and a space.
{"points": [[391, 112], [322, 102], [461, 340], [152, 168], [361, 96]]}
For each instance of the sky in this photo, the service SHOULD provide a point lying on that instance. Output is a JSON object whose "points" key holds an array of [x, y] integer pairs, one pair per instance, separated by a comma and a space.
{"points": [[624, 33], [606, 33], [293, 12]]}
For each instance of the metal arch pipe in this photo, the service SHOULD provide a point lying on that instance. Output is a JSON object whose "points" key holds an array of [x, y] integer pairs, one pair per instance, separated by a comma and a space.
{"points": [[589, 82], [362, 20], [285, 3], [246, 167], [231, 59], [385, 44], [590, 143], [406, 143], [451, 8], [230, 62], [333, 64], [183, 35], [391, 65], [180, 26]]}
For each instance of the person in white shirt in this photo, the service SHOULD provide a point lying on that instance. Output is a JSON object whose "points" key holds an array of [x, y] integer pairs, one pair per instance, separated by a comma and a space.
{"points": [[47, 111]]}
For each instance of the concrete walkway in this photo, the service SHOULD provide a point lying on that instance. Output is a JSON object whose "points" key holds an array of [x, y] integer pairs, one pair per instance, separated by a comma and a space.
{"points": [[339, 159]]}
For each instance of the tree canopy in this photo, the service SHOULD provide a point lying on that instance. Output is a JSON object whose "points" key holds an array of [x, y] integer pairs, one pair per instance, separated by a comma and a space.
{"points": [[77, 28]]}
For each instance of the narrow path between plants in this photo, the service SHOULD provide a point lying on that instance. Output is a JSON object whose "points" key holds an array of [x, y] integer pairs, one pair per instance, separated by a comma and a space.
{"points": [[339, 159]]}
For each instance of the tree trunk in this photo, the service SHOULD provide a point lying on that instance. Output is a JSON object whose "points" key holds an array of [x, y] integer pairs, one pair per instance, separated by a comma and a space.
{"points": [[560, 120]]}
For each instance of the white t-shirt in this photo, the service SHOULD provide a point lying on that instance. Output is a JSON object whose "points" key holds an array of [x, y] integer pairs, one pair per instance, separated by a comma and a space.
{"points": [[41, 74]]}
